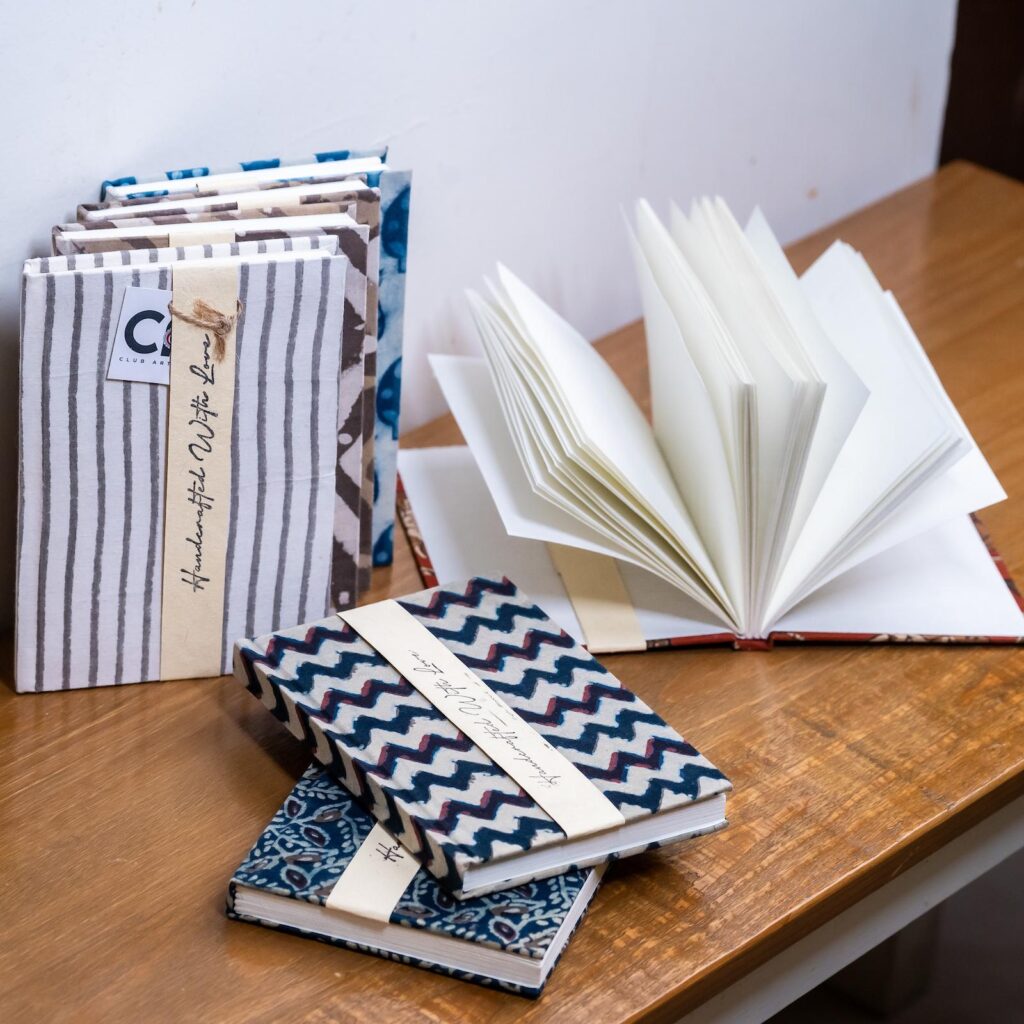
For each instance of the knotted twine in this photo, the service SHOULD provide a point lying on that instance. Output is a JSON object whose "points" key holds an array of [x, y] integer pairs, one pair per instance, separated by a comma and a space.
{"points": [[207, 318]]}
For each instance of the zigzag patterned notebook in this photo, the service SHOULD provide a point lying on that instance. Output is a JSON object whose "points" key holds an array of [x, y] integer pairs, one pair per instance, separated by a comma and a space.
{"points": [[471, 825], [510, 940]]}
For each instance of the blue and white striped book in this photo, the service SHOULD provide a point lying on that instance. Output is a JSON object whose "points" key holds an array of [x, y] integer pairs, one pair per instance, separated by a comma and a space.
{"points": [[510, 940], [470, 824]]}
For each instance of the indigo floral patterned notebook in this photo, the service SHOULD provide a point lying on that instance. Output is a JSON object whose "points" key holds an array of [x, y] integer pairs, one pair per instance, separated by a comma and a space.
{"points": [[510, 939], [471, 825]]}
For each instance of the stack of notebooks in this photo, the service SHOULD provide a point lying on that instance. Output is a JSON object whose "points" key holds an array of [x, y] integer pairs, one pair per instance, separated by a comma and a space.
{"points": [[803, 475], [314, 253], [416, 838]]}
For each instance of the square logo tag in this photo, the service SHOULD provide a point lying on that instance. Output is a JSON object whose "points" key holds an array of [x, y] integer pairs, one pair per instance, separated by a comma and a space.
{"points": [[141, 346]]}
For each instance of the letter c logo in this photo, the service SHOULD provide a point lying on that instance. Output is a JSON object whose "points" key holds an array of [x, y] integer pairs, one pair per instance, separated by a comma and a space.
{"points": [[129, 332]]}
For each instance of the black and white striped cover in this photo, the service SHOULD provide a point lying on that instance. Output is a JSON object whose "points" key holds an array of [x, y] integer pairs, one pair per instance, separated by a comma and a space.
{"points": [[92, 456]]}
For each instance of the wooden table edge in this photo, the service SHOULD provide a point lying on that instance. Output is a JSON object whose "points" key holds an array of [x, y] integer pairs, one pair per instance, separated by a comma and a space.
{"points": [[843, 894]]}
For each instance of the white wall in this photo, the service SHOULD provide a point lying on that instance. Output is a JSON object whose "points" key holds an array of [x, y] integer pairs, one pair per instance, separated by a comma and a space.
{"points": [[528, 125]]}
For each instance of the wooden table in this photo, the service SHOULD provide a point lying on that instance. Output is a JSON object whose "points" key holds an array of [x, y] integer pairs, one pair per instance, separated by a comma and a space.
{"points": [[124, 811]]}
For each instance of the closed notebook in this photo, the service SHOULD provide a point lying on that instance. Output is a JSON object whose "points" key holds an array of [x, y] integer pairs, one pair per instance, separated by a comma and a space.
{"points": [[275, 193], [396, 190], [358, 243], [362, 203], [92, 465], [510, 940], [471, 825], [351, 523]]}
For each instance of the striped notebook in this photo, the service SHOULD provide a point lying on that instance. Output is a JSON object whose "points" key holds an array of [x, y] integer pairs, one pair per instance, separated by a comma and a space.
{"points": [[91, 479], [359, 241], [395, 194]]}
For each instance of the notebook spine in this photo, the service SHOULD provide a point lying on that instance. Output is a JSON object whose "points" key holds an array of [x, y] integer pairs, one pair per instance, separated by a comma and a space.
{"points": [[250, 665], [749, 643]]}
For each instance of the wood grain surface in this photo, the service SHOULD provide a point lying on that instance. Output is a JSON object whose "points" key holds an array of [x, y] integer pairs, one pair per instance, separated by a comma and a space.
{"points": [[124, 811]]}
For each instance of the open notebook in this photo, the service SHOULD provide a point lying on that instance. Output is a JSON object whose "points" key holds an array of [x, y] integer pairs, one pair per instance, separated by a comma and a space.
{"points": [[804, 470]]}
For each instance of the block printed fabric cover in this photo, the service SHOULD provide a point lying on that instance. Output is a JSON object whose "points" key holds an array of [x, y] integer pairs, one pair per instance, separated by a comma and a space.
{"points": [[310, 841], [91, 479], [426, 781], [354, 241]]}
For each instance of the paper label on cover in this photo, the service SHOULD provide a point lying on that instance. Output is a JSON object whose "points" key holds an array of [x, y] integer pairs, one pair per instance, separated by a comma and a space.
{"points": [[600, 599], [200, 409], [375, 878], [576, 805], [182, 235], [140, 349]]}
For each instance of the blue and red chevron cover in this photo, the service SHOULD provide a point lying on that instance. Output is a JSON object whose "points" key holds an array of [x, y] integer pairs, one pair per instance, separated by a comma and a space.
{"points": [[424, 779]]}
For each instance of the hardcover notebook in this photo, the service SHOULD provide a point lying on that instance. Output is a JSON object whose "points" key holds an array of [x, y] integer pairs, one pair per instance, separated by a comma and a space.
{"points": [[94, 455], [358, 241], [802, 453], [470, 824], [511, 940], [362, 203], [395, 193]]}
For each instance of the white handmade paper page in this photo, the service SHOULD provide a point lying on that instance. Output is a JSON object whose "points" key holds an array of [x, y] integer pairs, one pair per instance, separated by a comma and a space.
{"points": [[967, 485], [557, 468], [845, 394], [788, 391], [469, 391], [464, 536], [900, 439], [608, 423], [940, 583], [689, 427]]}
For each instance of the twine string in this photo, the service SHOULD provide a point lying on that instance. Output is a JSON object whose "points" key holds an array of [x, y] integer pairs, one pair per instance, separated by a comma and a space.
{"points": [[208, 318]]}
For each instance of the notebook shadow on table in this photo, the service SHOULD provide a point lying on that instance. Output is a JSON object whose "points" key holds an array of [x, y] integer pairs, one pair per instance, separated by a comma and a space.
{"points": [[254, 721]]}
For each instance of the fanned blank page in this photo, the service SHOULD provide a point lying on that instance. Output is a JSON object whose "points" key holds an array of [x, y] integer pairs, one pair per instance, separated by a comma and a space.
{"points": [[799, 434], [581, 442], [693, 422]]}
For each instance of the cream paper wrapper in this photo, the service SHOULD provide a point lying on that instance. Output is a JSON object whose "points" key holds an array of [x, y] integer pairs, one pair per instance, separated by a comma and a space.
{"points": [[176, 237], [200, 409], [375, 878], [600, 599], [573, 802]]}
